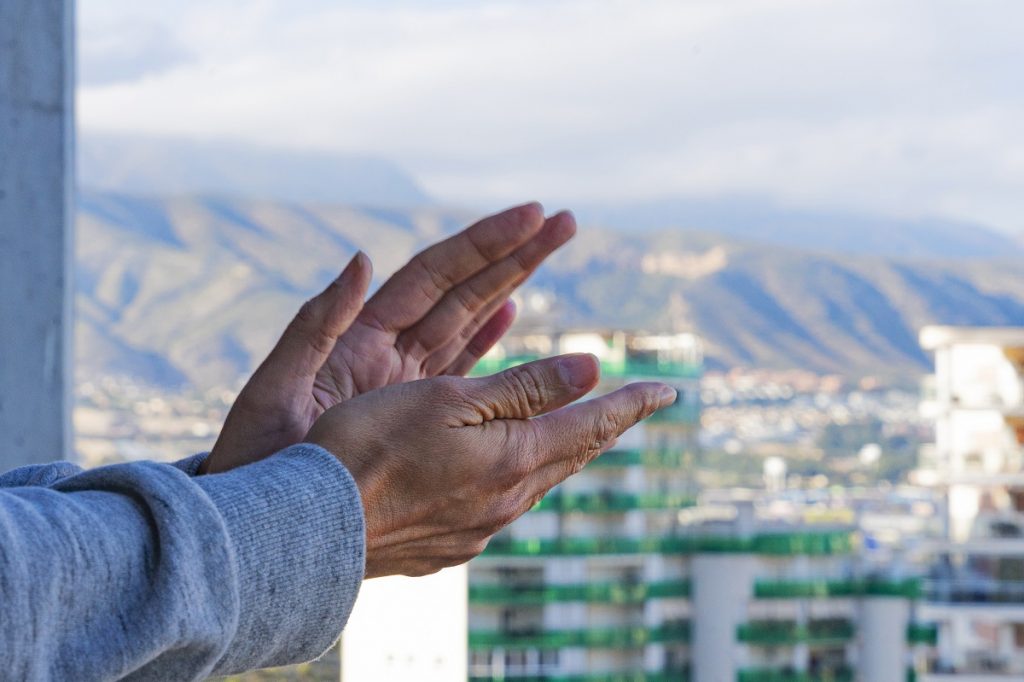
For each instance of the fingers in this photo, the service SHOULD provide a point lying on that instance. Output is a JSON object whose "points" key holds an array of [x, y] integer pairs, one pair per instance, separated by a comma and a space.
{"points": [[310, 337], [490, 333], [452, 323], [412, 291], [567, 440], [534, 388]]}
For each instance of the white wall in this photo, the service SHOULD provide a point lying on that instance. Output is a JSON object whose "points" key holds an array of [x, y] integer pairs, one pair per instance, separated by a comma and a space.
{"points": [[408, 629]]}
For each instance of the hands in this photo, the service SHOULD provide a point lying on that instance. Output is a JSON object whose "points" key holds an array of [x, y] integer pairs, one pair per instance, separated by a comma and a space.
{"points": [[437, 315], [443, 464]]}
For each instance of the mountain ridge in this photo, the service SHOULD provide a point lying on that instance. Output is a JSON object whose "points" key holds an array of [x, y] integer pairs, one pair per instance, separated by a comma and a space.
{"points": [[195, 289]]}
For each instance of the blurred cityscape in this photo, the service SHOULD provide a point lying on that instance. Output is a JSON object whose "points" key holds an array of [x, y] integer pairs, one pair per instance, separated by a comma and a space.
{"points": [[770, 526]]}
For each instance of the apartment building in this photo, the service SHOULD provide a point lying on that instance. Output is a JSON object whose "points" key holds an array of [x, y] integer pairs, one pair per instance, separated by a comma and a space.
{"points": [[976, 587], [628, 573]]}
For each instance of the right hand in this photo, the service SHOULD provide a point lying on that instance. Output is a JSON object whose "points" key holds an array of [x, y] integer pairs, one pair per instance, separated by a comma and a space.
{"points": [[442, 464]]}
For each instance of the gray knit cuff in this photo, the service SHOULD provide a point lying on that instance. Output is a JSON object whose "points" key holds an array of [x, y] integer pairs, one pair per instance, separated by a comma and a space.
{"points": [[190, 465], [296, 523]]}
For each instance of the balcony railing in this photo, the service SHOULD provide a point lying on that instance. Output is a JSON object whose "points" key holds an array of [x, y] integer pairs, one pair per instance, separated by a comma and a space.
{"points": [[844, 674], [633, 368], [777, 544], [608, 502], [853, 587], [968, 591], [593, 638], [608, 593], [647, 458], [923, 633], [788, 632], [675, 675]]}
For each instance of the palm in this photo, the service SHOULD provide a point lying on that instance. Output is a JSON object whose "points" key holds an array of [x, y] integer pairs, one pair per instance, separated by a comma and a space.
{"points": [[363, 360], [436, 315]]}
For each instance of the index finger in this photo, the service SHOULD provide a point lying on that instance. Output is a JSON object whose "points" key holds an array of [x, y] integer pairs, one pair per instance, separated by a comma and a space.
{"points": [[413, 291], [568, 439]]}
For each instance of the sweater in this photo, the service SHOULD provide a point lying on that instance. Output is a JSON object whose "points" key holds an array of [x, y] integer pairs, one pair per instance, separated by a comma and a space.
{"points": [[146, 571]]}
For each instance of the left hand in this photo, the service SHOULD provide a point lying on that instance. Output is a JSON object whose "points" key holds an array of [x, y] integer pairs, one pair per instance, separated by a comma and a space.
{"points": [[437, 315]]}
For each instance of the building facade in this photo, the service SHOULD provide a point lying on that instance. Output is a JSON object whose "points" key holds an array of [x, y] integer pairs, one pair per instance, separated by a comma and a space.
{"points": [[587, 584], [628, 573], [976, 587]]}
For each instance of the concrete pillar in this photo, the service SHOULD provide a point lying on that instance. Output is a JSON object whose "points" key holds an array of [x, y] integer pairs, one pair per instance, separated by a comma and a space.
{"points": [[883, 639], [36, 214], [722, 588]]}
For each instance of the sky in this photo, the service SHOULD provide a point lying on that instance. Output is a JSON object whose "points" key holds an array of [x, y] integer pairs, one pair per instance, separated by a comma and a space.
{"points": [[897, 107]]}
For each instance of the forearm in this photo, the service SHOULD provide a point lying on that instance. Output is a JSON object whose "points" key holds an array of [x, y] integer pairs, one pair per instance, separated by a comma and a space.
{"points": [[140, 570]]}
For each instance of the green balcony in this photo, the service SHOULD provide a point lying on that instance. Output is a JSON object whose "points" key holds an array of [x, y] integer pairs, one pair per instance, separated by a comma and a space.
{"points": [[605, 593], [909, 588], [799, 589], [923, 633], [805, 543], [680, 675], [667, 459], [612, 502], [634, 368], [771, 633], [788, 675], [591, 638], [776, 544]]}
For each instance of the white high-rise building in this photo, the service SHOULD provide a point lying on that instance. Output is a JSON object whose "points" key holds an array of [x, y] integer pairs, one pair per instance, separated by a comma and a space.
{"points": [[976, 594], [591, 584]]}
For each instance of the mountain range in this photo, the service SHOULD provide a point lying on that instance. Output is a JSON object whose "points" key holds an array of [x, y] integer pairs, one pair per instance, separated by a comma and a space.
{"points": [[194, 288]]}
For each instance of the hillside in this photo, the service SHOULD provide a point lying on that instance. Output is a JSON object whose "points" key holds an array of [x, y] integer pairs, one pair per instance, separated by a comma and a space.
{"points": [[197, 289], [830, 231]]}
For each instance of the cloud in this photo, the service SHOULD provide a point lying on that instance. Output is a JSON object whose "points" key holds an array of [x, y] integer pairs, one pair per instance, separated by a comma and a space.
{"points": [[907, 107], [119, 49]]}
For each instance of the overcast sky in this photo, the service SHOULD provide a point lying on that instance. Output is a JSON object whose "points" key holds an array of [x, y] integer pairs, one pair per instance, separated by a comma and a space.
{"points": [[911, 107]]}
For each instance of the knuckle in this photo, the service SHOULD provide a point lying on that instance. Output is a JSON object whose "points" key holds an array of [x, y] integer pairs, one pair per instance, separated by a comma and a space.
{"points": [[479, 249], [607, 426], [647, 405], [527, 386], [467, 297], [478, 547], [448, 389], [310, 326], [523, 262], [504, 514], [516, 467], [438, 278], [308, 313]]}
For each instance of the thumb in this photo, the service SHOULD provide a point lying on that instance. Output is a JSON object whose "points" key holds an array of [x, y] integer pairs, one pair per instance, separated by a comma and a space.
{"points": [[536, 387], [308, 340]]}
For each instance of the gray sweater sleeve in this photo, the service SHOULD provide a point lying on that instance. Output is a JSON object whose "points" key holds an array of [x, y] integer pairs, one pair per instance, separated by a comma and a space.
{"points": [[143, 571]]}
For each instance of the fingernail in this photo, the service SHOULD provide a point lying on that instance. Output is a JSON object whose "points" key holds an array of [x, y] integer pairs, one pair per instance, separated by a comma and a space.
{"points": [[666, 396], [578, 370], [536, 206], [358, 261]]}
